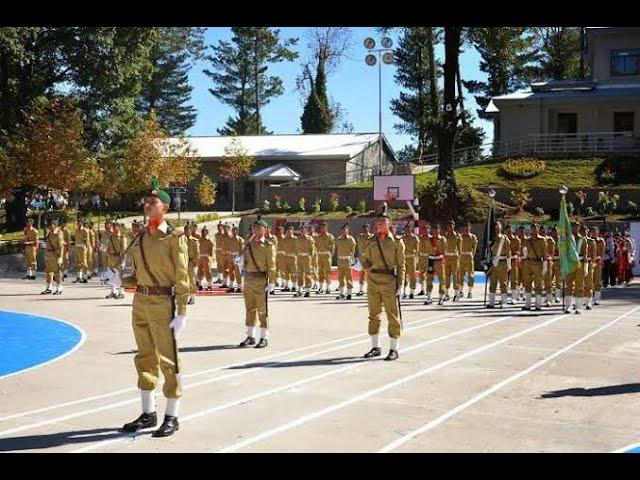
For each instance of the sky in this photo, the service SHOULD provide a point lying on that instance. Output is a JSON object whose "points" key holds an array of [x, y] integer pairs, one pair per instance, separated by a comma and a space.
{"points": [[353, 84]]}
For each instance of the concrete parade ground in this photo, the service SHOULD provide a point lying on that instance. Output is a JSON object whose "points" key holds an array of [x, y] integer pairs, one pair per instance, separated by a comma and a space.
{"points": [[468, 379]]}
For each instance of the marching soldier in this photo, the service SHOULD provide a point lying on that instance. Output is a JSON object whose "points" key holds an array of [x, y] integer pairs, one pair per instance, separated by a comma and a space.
{"points": [[115, 248], [534, 253], [522, 236], [423, 258], [91, 251], [236, 246], [66, 235], [452, 254], [193, 250], [500, 266], [516, 265], [305, 248], [207, 248], [279, 234], [588, 280], [597, 265], [227, 261], [260, 265], [346, 250], [54, 253], [103, 239], [30, 243], [363, 239], [325, 246], [83, 245], [384, 257], [468, 247], [314, 259], [290, 265], [556, 270], [435, 247], [547, 278], [160, 262], [411, 248], [575, 280], [219, 241]]}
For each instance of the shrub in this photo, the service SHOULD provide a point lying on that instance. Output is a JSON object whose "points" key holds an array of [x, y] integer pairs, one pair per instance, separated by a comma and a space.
{"points": [[206, 217], [590, 212], [266, 206], [522, 168], [348, 209], [334, 201], [633, 208], [618, 170], [302, 205], [607, 203], [520, 198], [539, 211], [286, 207], [570, 208], [580, 198], [315, 206], [277, 201], [362, 206]]}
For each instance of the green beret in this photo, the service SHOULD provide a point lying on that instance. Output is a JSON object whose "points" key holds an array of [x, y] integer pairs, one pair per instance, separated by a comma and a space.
{"points": [[29, 220], [156, 191], [451, 222], [346, 225], [366, 225], [322, 223], [262, 223], [289, 227], [53, 222]]}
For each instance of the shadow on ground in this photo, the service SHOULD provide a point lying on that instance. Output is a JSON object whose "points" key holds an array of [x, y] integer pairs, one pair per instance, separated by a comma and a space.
{"points": [[594, 392]]}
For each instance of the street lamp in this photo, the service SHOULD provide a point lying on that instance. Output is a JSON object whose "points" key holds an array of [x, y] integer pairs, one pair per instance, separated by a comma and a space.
{"points": [[385, 55]]}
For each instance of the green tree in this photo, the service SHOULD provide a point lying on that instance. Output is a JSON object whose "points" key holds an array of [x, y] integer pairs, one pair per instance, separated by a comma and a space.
{"points": [[316, 116], [560, 52], [168, 91], [236, 163], [207, 191], [507, 57], [240, 74]]}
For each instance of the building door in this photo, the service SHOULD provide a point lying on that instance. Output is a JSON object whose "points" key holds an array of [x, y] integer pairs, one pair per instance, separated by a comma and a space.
{"points": [[623, 121], [568, 123]]}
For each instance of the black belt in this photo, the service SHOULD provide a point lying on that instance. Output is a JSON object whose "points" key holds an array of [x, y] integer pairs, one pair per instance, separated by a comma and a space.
{"points": [[383, 271], [154, 290]]}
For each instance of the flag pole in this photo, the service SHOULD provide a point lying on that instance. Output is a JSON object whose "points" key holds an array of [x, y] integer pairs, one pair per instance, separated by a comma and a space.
{"points": [[563, 192], [491, 193]]}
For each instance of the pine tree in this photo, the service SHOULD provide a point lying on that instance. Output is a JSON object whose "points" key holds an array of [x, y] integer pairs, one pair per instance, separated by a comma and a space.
{"points": [[560, 49], [507, 58], [316, 116], [168, 91]]}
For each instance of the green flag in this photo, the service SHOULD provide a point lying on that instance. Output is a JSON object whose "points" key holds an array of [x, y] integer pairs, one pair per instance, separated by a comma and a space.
{"points": [[567, 249]]}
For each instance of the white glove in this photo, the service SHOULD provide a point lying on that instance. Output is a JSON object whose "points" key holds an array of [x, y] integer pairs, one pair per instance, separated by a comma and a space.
{"points": [[356, 265], [399, 292], [59, 262], [239, 260], [43, 244], [270, 287], [495, 261], [178, 323]]}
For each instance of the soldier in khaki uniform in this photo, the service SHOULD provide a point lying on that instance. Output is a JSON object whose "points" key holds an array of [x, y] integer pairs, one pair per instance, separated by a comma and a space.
{"points": [[346, 251], [103, 238], [597, 265], [66, 235], [411, 248], [193, 250], [30, 244], [534, 253], [434, 247], [325, 246], [362, 240], [259, 257], [499, 267], [161, 265], [305, 248], [384, 257], [522, 236], [575, 280], [468, 247], [555, 270], [290, 264], [227, 264], [115, 261], [273, 239], [314, 260], [588, 280], [91, 251], [83, 244], [218, 242], [452, 260], [279, 234], [423, 258], [205, 263], [547, 278], [54, 253], [516, 265], [236, 245]]}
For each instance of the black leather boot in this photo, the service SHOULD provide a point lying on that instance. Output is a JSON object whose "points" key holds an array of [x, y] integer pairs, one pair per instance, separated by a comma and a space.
{"points": [[393, 355], [262, 343], [374, 352], [146, 420], [247, 342], [169, 426]]}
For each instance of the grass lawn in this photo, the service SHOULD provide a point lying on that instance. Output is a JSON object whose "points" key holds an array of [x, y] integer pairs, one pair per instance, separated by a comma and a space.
{"points": [[339, 215], [575, 173]]}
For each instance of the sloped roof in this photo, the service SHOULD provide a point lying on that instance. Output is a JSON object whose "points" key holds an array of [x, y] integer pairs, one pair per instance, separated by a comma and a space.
{"points": [[329, 146], [276, 172]]}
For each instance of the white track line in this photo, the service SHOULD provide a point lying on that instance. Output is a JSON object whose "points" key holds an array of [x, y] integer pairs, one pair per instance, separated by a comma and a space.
{"points": [[627, 448], [83, 337], [204, 382], [197, 373], [325, 411], [296, 384], [453, 412]]}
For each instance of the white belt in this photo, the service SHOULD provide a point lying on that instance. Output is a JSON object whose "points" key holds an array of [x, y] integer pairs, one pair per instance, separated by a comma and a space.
{"points": [[218, 249], [431, 257], [502, 257], [290, 255], [466, 253], [325, 253], [204, 255], [410, 256], [342, 257], [423, 254], [303, 254], [233, 253], [280, 252], [451, 254], [556, 258]]}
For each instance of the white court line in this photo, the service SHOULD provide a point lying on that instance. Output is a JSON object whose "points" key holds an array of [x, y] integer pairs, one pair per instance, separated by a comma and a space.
{"points": [[294, 384], [319, 413], [627, 448], [83, 337], [204, 382], [195, 374], [453, 412]]}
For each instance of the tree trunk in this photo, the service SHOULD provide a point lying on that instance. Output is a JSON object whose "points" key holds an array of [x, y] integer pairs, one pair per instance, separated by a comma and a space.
{"points": [[233, 196], [16, 210], [460, 95], [447, 127], [433, 82], [256, 81]]}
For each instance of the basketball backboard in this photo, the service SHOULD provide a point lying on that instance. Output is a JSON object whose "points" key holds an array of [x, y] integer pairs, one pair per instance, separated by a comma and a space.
{"points": [[393, 187]]}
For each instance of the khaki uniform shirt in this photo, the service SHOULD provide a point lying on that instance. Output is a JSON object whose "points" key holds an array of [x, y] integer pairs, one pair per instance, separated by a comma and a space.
{"points": [[325, 245], [393, 251], [206, 246], [345, 247], [264, 253]]}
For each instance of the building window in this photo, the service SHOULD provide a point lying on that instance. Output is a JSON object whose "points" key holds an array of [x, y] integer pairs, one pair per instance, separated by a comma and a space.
{"points": [[623, 121], [625, 62], [567, 123]]}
